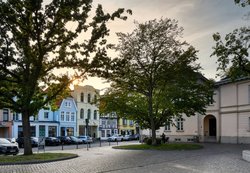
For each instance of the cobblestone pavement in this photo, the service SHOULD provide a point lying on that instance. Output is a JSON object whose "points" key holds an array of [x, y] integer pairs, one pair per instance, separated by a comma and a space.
{"points": [[213, 158]]}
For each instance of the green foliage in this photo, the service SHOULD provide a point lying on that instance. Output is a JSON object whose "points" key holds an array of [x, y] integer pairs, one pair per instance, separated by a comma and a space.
{"points": [[233, 53], [155, 78], [40, 157], [36, 40], [169, 146]]}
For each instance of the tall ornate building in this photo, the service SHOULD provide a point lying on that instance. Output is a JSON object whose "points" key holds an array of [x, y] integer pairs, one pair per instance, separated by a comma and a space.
{"points": [[88, 112]]}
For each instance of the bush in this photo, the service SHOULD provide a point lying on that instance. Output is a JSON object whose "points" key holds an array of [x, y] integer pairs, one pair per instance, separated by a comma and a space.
{"points": [[148, 141]]}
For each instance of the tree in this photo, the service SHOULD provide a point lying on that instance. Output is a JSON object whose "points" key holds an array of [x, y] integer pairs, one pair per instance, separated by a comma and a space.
{"points": [[243, 3], [36, 40], [155, 78], [233, 53]]}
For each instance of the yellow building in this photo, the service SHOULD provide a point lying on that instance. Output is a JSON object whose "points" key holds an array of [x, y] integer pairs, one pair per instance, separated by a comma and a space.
{"points": [[127, 127]]}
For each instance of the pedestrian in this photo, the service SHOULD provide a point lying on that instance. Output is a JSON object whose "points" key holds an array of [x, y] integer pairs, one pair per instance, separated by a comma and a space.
{"points": [[163, 138]]}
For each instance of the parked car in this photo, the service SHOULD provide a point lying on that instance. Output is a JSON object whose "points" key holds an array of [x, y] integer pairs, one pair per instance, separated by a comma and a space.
{"points": [[65, 140], [52, 141], [34, 141], [86, 139], [75, 140], [127, 137], [7, 147], [115, 138], [134, 137]]}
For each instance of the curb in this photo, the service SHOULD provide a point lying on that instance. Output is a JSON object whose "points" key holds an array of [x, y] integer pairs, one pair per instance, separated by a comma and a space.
{"points": [[39, 162]]}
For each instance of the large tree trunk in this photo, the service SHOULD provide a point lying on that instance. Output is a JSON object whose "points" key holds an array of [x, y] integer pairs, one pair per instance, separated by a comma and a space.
{"points": [[150, 112], [26, 133]]}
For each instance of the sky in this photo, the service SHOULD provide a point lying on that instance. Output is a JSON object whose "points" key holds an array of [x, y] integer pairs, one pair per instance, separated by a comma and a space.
{"points": [[199, 18]]}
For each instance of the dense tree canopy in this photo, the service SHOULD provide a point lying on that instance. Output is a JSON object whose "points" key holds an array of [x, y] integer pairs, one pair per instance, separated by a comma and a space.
{"points": [[233, 52], [156, 77], [36, 39]]}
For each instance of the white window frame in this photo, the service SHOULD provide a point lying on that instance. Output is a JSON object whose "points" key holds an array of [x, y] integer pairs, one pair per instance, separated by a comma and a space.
{"points": [[179, 124], [62, 116], [46, 115]]}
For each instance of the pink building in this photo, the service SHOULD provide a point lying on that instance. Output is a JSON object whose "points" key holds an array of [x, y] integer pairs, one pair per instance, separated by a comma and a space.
{"points": [[5, 123]]}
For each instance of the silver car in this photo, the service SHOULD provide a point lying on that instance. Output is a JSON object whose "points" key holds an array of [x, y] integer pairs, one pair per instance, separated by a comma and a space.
{"points": [[7, 147]]}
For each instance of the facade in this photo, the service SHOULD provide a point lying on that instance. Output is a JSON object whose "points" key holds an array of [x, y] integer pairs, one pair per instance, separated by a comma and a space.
{"points": [[127, 127], [48, 123], [43, 124], [88, 112], [67, 117], [227, 120], [5, 123], [108, 125]]}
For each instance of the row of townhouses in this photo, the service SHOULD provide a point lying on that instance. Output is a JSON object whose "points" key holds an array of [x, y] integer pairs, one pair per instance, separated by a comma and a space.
{"points": [[227, 120], [73, 116]]}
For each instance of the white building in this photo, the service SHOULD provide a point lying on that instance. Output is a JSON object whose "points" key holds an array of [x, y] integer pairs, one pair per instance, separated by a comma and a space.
{"points": [[88, 112], [227, 120]]}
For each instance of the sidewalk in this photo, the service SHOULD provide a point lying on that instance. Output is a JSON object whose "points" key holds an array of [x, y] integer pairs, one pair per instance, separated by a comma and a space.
{"points": [[214, 158]]}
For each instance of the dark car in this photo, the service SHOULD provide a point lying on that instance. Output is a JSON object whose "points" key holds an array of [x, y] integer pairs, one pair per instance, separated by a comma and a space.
{"points": [[65, 140], [7, 147], [52, 141], [33, 140]]}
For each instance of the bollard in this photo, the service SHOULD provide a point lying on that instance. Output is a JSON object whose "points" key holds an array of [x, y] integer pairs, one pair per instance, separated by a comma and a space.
{"points": [[87, 146], [62, 145]]}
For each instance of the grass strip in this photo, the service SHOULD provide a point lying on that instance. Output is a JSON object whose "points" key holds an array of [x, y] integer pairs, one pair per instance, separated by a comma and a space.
{"points": [[35, 158], [169, 146]]}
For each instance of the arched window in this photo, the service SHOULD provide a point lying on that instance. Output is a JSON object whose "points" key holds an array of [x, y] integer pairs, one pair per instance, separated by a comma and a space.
{"points": [[82, 97], [82, 114], [95, 114], [89, 113], [89, 97]]}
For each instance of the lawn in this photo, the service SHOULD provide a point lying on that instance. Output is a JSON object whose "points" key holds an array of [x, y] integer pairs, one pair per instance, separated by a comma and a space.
{"points": [[169, 146], [36, 158]]}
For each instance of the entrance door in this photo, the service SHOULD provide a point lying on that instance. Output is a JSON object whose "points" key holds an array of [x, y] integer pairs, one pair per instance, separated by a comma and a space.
{"points": [[212, 127]]}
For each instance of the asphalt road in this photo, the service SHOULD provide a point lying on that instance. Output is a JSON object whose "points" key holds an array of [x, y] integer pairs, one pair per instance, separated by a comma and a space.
{"points": [[213, 158]]}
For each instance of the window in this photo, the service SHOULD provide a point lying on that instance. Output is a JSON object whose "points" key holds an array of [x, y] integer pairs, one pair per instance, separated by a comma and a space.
{"points": [[72, 118], [131, 122], [89, 98], [82, 97], [95, 98], [52, 131], [5, 115], [67, 104], [67, 116], [167, 126], [15, 116], [124, 121], [46, 115], [62, 116], [95, 114], [179, 124], [82, 113], [89, 114], [41, 131]]}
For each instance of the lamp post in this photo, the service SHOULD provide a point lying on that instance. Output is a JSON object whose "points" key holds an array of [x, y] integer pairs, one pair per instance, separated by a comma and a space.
{"points": [[87, 126]]}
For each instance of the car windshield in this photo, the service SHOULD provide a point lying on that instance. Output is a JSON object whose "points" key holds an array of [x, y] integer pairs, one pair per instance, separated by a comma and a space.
{"points": [[4, 141]]}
